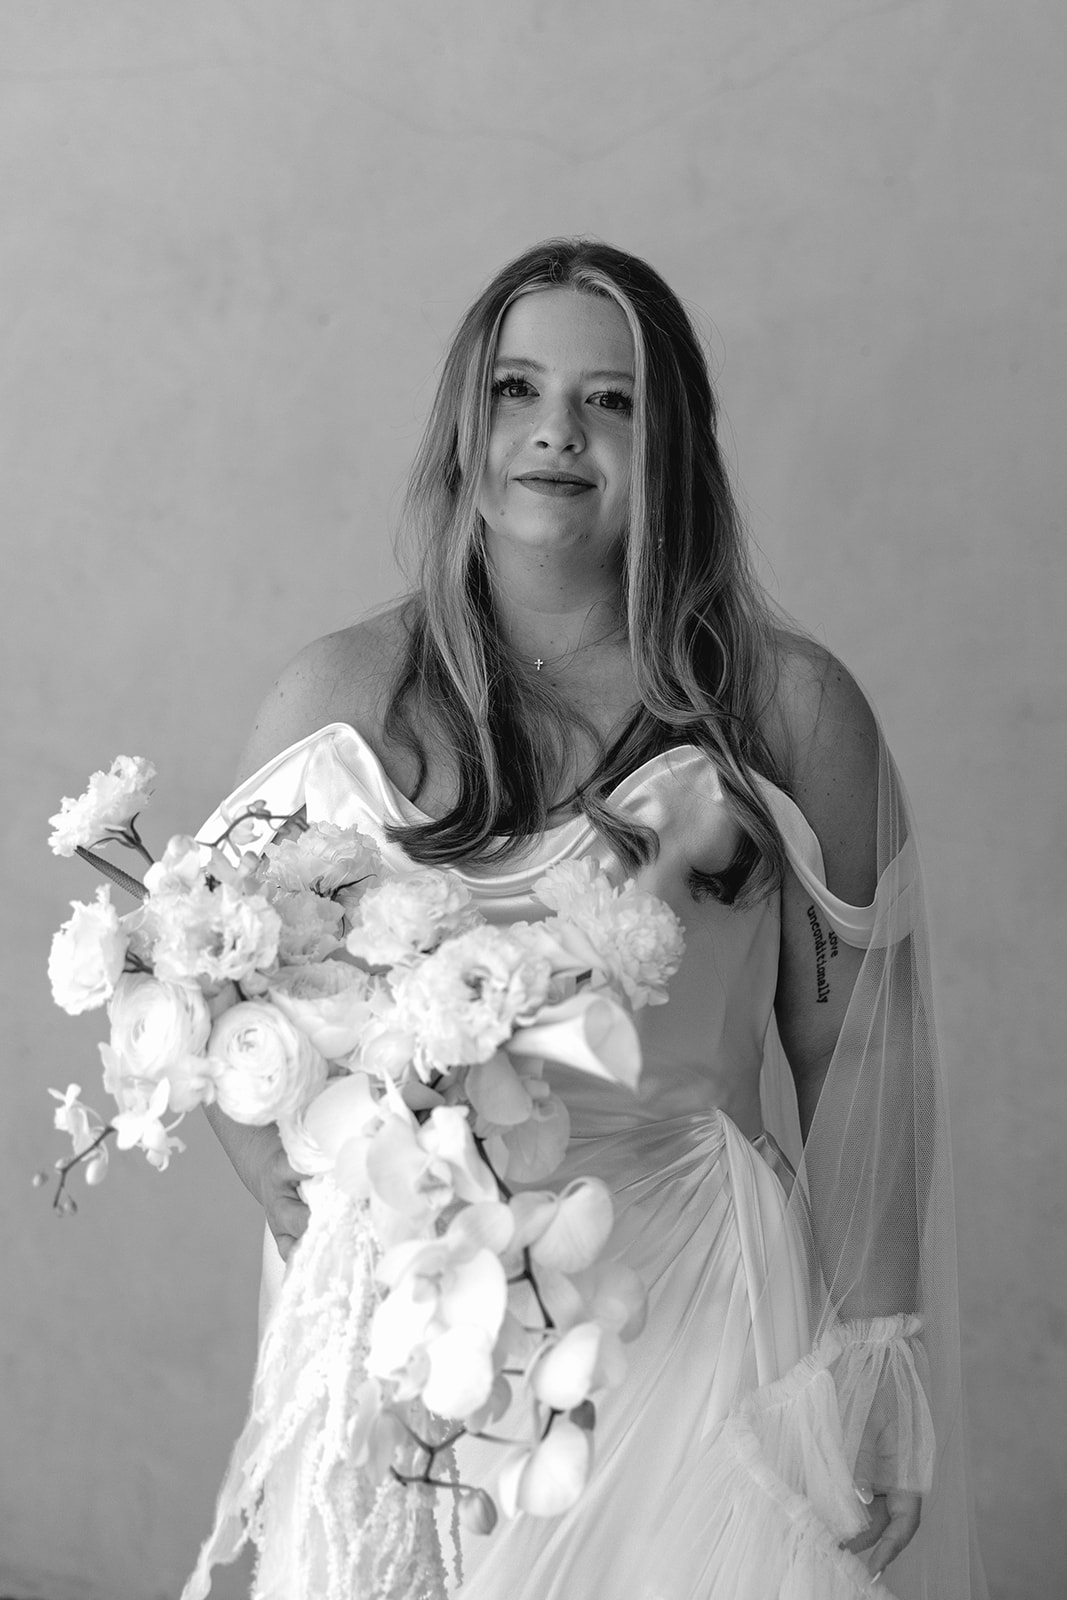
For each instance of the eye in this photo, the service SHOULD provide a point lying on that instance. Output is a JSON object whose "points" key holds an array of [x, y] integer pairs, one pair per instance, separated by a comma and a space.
{"points": [[614, 400], [511, 386]]}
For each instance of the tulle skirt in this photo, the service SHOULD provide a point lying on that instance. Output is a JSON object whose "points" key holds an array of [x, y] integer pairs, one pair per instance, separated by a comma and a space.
{"points": [[719, 1470]]}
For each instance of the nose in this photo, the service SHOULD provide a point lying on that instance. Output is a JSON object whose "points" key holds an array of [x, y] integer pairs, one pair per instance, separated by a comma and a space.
{"points": [[557, 426]]}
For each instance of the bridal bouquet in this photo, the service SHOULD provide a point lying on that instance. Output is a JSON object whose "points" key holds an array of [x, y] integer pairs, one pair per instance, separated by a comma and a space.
{"points": [[399, 1042]]}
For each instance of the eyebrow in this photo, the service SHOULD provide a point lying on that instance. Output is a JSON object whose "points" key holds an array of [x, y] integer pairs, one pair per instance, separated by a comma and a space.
{"points": [[530, 365]]}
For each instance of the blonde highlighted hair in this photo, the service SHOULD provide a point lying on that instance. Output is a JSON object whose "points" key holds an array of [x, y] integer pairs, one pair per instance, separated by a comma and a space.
{"points": [[702, 635]]}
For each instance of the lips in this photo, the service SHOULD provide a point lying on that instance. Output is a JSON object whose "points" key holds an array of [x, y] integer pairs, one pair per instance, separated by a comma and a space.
{"points": [[564, 484]]}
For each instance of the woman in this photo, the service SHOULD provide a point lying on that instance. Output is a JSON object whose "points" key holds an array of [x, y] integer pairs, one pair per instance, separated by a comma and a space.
{"points": [[588, 668]]}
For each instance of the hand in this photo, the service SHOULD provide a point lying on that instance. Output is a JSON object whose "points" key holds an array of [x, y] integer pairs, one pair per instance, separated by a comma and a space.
{"points": [[278, 1193], [894, 1520], [259, 1158]]}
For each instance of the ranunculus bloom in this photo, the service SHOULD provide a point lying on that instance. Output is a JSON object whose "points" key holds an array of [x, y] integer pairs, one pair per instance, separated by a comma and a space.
{"points": [[87, 954], [327, 1000], [110, 802], [404, 917], [267, 1068], [548, 1479], [155, 1027]]}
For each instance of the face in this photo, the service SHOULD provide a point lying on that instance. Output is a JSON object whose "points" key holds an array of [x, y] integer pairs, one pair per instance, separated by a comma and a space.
{"points": [[557, 475]]}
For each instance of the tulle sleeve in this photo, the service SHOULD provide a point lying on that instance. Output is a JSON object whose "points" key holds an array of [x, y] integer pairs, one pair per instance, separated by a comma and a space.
{"points": [[873, 1203]]}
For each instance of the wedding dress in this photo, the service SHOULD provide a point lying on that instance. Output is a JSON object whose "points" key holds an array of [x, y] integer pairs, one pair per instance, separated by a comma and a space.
{"points": [[802, 1333]]}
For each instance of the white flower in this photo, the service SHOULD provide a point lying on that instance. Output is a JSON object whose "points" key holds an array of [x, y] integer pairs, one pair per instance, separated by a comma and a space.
{"points": [[568, 1230], [215, 933], [324, 858], [109, 803], [572, 1366], [72, 1117], [405, 917], [466, 998], [327, 1000], [549, 1478], [310, 925], [332, 1131], [183, 864], [638, 939], [526, 1128], [267, 1069], [143, 1128], [159, 1030], [435, 1331], [87, 955], [419, 1169]]}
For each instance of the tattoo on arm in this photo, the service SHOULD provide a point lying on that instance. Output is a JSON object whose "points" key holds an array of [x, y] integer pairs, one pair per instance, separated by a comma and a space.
{"points": [[822, 983]]}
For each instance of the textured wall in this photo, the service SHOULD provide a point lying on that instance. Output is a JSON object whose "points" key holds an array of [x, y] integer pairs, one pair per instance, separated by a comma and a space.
{"points": [[234, 235]]}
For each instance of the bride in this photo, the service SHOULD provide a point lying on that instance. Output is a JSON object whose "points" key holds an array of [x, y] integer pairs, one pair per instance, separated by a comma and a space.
{"points": [[588, 669]]}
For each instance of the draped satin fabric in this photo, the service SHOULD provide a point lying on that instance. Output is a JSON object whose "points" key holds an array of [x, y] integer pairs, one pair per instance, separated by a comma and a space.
{"points": [[772, 1370]]}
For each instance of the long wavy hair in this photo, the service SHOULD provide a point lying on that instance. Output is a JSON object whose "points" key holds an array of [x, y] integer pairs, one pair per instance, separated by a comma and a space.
{"points": [[702, 635]]}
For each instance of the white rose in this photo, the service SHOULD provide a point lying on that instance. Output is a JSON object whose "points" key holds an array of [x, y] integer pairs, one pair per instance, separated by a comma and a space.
{"points": [[328, 1001], [87, 955], [110, 802], [159, 1030], [267, 1068]]}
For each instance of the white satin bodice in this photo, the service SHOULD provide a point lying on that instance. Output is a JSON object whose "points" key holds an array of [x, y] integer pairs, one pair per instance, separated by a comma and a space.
{"points": [[703, 1050]]}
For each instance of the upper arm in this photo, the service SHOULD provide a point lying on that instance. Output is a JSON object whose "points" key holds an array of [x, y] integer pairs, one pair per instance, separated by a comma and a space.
{"points": [[342, 677], [834, 748]]}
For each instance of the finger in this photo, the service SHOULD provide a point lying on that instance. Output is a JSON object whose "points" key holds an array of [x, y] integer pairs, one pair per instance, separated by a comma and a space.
{"points": [[288, 1217], [899, 1533], [877, 1523]]}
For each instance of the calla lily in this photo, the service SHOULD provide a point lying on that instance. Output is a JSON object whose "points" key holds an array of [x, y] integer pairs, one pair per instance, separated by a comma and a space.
{"points": [[579, 1228], [591, 1031], [549, 1479]]}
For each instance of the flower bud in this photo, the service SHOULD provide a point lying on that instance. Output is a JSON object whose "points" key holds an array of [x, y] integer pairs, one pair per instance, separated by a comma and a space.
{"points": [[477, 1511], [584, 1416]]}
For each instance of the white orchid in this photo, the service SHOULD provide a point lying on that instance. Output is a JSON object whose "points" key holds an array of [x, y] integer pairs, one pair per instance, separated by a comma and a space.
{"points": [[143, 1128]]}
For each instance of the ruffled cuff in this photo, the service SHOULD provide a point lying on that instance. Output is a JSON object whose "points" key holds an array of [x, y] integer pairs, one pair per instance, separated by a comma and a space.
{"points": [[879, 1370]]}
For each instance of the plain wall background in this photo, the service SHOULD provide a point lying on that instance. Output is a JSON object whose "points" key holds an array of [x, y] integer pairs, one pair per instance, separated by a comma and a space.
{"points": [[234, 236]]}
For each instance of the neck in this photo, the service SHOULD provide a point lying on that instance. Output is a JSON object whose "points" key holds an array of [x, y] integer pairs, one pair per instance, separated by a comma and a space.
{"points": [[546, 609]]}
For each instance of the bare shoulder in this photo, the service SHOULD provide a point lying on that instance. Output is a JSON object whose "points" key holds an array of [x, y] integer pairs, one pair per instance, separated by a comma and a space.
{"points": [[822, 729], [342, 677]]}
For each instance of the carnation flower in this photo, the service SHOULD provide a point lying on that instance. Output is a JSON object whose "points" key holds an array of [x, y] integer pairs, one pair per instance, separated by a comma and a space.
{"points": [[106, 808], [184, 864], [323, 858], [637, 939], [267, 1068], [310, 926], [405, 917], [465, 999], [87, 955], [215, 933]]}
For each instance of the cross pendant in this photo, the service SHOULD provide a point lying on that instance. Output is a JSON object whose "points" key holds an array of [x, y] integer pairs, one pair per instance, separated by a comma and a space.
{"points": [[538, 664]]}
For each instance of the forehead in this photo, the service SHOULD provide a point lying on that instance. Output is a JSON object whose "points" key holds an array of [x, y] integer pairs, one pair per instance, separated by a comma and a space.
{"points": [[563, 328]]}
